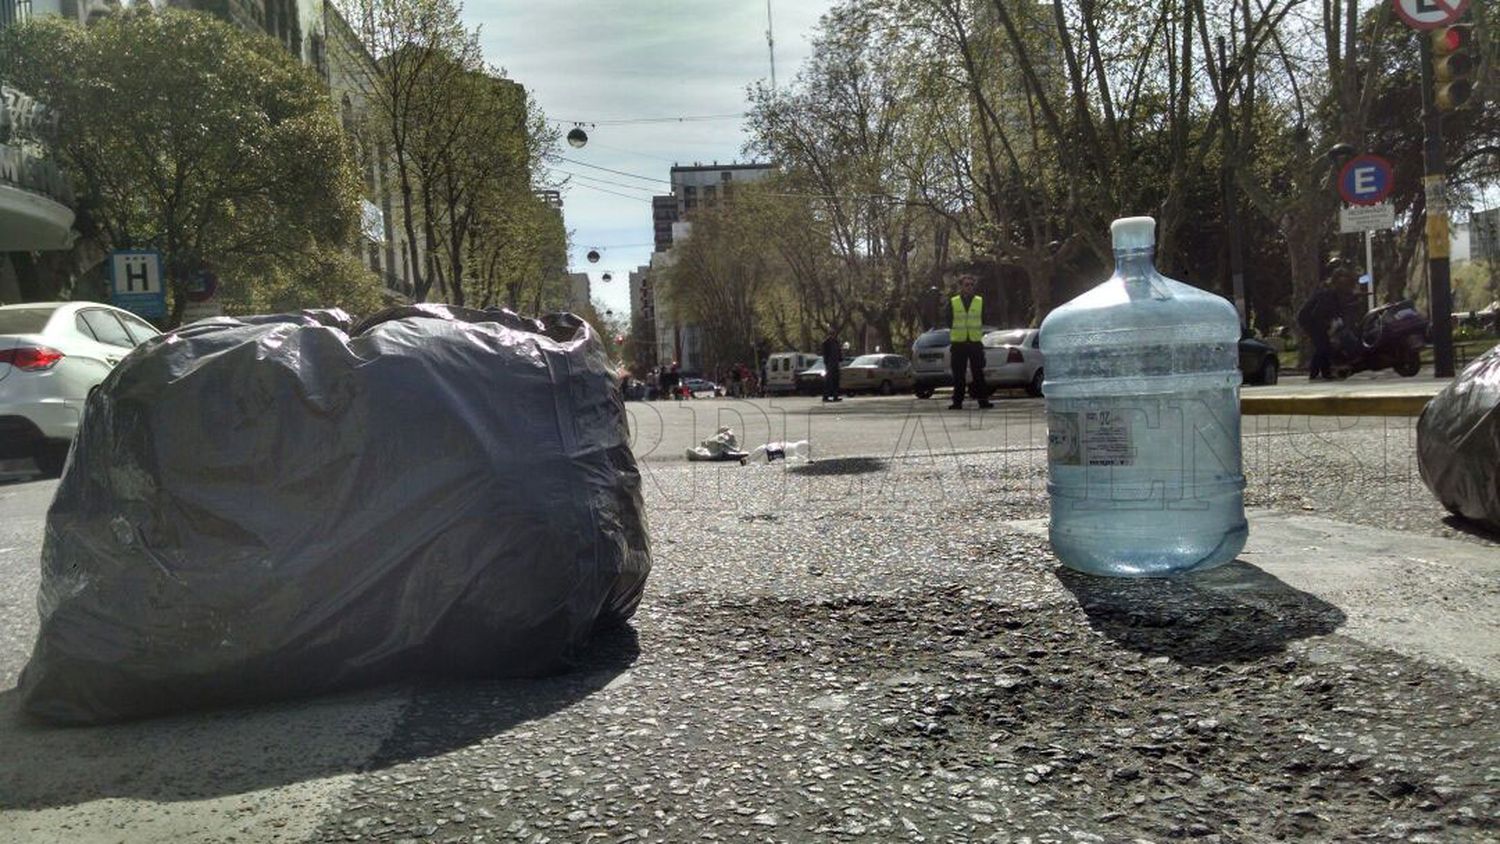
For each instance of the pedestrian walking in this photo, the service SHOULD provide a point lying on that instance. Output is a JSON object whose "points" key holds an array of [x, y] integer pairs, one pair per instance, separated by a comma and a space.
{"points": [[965, 318], [833, 356], [737, 381]]}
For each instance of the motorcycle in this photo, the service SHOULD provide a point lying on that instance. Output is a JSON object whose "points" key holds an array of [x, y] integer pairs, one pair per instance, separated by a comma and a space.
{"points": [[1388, 337]]}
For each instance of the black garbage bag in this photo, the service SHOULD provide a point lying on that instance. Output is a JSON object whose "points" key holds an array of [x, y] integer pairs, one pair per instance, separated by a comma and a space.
{"points": [[1458, 442], [270, 508]]}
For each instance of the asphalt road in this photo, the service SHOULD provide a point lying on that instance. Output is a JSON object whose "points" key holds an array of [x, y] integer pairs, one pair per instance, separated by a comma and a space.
{"points": [[879, 646]]}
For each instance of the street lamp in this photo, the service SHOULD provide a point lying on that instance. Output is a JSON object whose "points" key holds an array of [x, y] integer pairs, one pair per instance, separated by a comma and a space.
{"points": [[577, 138]]}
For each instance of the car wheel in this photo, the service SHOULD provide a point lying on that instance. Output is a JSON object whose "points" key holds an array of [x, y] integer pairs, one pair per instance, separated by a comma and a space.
{"points": [[924, 392], [51, 459], [887, 388], [1035, 387], [1270, 372]]}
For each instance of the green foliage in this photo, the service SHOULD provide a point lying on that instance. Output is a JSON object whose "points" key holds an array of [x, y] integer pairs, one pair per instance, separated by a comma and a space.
{"points": [[188, 135], [325, 278]]}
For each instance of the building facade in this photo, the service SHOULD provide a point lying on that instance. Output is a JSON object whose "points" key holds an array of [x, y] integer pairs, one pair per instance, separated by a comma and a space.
{"points": [[694, 188]]}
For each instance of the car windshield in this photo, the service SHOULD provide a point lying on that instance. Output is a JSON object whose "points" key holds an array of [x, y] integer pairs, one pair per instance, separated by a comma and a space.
{"points": [[24, 320], [867, 360], [933, 339]]}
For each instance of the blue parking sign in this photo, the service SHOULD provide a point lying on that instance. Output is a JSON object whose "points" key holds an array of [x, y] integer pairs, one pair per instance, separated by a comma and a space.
{"points": [[1366, 180], [136, 284]]}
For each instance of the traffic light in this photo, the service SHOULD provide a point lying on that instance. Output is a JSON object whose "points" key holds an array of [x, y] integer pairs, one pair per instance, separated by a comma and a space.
{"points": [[1451, 65]]}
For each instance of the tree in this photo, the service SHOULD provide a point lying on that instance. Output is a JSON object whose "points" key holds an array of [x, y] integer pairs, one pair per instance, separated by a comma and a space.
{"points": [[518, 254], [841, 136], [721, 273], [322, 278], [190, 136], [424, 56]]}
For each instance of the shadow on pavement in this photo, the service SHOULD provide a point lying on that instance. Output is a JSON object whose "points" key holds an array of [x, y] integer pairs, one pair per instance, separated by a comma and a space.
{"points": [[217, 754], [1479, 530], [838, 466], [1235, 613]]}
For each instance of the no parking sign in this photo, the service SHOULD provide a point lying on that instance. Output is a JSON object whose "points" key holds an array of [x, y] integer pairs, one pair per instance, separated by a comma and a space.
{"points": [[1430, 14]]}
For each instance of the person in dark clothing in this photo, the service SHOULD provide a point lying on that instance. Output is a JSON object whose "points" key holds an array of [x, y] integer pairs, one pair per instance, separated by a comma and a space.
{"points": [[833, 357], [965, 319], [1330, 303]]}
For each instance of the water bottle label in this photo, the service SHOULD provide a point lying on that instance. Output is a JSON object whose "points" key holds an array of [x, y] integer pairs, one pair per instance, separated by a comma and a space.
{"points": [[1106, 438], [1090, 438]]}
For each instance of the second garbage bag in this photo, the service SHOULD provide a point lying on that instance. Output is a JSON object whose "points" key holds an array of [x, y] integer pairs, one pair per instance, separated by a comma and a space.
{"points": [[285, 507], [1458, 442]]}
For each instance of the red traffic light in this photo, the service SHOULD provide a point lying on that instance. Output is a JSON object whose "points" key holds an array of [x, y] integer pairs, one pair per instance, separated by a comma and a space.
{"points": [[1451, 38], [1451, 65]]}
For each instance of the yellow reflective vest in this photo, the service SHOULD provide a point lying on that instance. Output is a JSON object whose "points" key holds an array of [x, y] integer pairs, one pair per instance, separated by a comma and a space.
{"points": [[966, 323]]}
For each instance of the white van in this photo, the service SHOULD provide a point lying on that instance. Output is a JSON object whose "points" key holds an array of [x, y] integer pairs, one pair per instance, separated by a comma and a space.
{"points": [[782, 369]]}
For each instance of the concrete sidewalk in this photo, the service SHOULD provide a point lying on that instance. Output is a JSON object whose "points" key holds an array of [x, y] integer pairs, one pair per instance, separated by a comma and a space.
{"points": [[1432, 599]]}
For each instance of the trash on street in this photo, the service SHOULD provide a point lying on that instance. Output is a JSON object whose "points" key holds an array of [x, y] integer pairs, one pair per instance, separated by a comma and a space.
{"points": [[276, 507]]}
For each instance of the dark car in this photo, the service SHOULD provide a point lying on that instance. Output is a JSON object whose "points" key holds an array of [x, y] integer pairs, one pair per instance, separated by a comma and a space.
{"points": [[810, 380], [1258, 361]]}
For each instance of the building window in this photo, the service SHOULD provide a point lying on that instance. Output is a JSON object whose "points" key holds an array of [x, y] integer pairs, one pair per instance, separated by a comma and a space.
{"points": [[710, 195], [375, 257]]}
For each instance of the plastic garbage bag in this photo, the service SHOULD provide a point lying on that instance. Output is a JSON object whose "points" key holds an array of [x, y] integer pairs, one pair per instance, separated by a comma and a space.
{"points": [[1458, 442], [720, 447], [268, 508], [775, 451]]}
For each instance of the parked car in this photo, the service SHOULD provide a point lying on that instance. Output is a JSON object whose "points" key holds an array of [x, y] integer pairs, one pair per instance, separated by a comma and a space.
{"points": [[782, 369], [810, 380], [700, 386], [1258, 361], [52, 354], [929, 361], [1013, 358], [880, 373]]}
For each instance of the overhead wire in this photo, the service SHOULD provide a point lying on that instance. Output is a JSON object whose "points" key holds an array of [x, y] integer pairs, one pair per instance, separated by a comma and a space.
{"points": [[575, 162], [644, 199], [603, 181], [691, 118]]}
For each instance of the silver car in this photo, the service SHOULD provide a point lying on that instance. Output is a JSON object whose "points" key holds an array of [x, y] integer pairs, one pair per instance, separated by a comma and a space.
{"points": [[929, 361]]}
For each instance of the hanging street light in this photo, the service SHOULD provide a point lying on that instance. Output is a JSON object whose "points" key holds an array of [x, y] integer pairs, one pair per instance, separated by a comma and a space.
{"points": [[577, 138], [593, 256]]}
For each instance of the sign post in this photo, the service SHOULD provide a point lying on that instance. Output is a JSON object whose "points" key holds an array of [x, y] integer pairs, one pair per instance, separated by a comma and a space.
{"points": [[1365, 182], [135, 283], [1423, 15]]}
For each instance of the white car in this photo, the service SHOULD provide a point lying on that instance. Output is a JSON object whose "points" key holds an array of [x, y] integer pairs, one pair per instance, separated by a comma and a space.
{"points": [[1013, 358], [51, 355]]}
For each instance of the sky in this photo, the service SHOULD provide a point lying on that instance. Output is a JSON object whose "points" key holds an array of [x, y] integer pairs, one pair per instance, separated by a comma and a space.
{"points": [[593, 61]]}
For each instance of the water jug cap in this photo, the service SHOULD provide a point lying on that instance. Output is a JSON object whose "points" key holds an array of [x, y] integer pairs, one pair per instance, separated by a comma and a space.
{"points": [[1133, 233]]}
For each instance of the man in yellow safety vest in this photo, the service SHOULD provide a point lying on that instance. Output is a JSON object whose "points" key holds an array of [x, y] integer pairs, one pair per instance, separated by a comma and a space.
{"points": [[965, 321]]}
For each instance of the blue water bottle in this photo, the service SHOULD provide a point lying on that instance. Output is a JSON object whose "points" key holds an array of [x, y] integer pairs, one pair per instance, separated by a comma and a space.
{"points": [[1143, 421]]}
